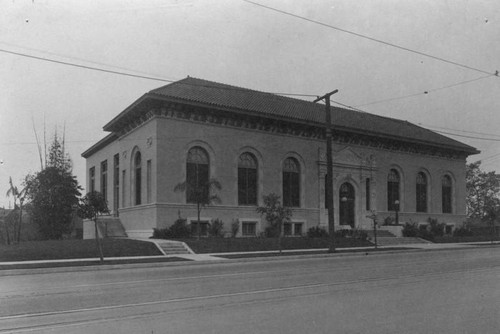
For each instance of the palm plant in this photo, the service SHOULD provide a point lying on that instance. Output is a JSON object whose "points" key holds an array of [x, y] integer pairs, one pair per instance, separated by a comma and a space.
{"points": [[18, 195], [201, 193]]}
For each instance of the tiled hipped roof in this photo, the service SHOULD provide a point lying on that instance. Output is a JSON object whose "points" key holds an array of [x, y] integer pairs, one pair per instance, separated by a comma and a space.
{"points": [[241, 100]]}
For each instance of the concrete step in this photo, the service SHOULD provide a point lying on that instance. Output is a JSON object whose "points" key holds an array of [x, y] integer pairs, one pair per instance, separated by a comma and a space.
{"points": [[173, 247], [111, 227]]}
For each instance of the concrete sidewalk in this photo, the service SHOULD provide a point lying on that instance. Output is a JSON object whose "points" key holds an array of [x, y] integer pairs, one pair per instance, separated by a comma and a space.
{"points": [[221, 256]]}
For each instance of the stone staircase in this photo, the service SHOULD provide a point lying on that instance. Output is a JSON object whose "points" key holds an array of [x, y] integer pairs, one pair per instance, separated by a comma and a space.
{"points": [[111, 227], [386, 238], [173, 247]]}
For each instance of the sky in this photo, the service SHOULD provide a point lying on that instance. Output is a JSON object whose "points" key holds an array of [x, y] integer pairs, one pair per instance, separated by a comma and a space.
{"points": [[430, 62]]}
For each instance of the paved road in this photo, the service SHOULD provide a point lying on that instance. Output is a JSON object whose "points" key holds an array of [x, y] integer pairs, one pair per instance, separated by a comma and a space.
{"points": [[448, 291]]}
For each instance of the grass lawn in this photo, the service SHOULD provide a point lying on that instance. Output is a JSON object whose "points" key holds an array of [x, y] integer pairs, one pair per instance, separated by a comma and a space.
{"points": [[75, 249], [476, 238], [288, 253], [224, 245], [88, 263]]}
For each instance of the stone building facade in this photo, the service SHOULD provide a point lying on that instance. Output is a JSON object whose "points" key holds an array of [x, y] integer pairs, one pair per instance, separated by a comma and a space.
{"points": [[257, 143]]}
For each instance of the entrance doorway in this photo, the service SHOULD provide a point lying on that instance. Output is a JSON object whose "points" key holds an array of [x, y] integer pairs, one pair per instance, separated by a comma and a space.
{"points": [[346, 204]]}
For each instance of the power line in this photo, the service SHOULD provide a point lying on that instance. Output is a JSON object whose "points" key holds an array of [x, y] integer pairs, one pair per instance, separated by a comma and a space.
{"points": [[242, 89], [464, 136], [494, 157], [94, 68], [437, 127], [211, 86], [465, 131], [74, 58], [373, 39], [427, 91], [84, 66]]}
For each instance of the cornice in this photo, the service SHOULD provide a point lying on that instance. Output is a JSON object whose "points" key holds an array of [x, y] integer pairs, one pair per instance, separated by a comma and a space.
{"points": [[197, 114]]}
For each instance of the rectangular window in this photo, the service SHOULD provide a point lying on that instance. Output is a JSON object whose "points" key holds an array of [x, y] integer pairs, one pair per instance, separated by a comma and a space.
{"points": [[203, 228], [297, 229], [116, 183], [104, 179], [368, 194], [92, 179], [293, 229], [148, 181], [138, 185], [249, 229], [123, 188]]}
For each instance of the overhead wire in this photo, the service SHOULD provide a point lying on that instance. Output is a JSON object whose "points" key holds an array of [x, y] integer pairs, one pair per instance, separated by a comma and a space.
{"points": [[465, 136], [94, 68], [372, 39], [426, 92], [236, 88], [149, 77], [465, 131]]}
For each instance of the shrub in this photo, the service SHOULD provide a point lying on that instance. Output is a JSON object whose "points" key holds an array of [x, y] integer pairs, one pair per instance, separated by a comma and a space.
{"points": [[424, 233], [235, 227], [271, 232], [389, 220], [410, 230], [359, 234], [436, 229], [341, 233], [216, 228], [317, 232], [463, 232], [179, 229], [160, 233]]}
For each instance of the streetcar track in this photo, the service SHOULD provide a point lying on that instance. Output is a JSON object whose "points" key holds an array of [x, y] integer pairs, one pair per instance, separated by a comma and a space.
{"points": [[69, 288], [248, 293]]}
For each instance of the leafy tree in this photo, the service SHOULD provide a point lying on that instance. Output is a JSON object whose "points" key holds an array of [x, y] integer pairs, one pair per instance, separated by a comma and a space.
{"points": [[91, 206], [204, 194], [58, 157], [53, 193], [483, 192], [275, 214]]}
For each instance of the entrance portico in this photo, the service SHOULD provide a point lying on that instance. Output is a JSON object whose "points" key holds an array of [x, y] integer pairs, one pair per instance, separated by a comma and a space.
{"points": [[354, 188]]}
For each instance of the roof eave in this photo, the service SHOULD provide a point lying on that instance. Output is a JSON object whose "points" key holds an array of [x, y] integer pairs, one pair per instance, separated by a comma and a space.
{"points": [[100, 144], [110, 125]]}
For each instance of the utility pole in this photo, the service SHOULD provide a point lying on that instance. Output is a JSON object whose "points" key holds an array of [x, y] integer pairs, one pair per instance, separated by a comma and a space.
{"points": [[329, 169]]}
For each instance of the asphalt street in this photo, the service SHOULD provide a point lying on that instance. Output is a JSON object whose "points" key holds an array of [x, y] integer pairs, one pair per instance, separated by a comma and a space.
{"points": [[439, 291]]}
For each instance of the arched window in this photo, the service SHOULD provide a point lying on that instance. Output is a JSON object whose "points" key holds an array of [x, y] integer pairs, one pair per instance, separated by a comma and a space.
{"points": [[446, 187], [421, 192], [137, 176], [291, 183], [196, 174], [393, 181], [247, 179]]}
